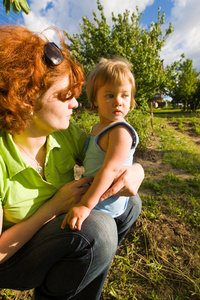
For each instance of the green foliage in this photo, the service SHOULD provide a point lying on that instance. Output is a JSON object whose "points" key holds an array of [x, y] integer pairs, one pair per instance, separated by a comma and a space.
{"points": [[197, 129], [85, 120], [17, 6], [139, 120], [7, 294], [125, 38], [181, 126], [196, 96], [186, 86]]}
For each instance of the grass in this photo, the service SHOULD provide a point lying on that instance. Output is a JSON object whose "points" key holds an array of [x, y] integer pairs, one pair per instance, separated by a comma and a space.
{"points": [[160, 257]]}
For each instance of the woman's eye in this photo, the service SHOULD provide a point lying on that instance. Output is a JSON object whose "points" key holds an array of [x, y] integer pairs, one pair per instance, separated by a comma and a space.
{"points": [[125, 96], [69, 95]]}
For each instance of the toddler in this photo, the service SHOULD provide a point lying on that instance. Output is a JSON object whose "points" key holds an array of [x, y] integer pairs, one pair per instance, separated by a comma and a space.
{"points": [[112, 143]]}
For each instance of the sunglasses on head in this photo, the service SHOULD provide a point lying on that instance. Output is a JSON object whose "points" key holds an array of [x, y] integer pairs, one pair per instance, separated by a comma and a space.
{"points": [[53, 55]]}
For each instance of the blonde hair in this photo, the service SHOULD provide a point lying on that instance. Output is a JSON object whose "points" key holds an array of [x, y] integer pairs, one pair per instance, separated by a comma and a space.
{"points": [[109, 71]]}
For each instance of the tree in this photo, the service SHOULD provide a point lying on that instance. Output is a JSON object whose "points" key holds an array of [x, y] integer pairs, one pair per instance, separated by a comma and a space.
{"points": [[17, 6], [124, 38], [185, 88]]}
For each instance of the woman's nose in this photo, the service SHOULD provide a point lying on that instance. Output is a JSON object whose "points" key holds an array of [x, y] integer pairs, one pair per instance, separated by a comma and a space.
{"points": [[73, 103]]}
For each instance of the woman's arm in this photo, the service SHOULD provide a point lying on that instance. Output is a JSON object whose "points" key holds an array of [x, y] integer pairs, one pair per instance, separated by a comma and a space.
{"points": [[127, 182], [12, 239]]}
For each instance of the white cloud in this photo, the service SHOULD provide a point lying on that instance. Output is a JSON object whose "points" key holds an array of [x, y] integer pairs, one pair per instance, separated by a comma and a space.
{"points": [[119, 6], [67, 15], [186, 36]]}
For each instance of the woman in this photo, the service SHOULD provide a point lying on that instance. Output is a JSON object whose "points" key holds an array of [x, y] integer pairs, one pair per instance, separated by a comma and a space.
{"points": [[38, 150]]}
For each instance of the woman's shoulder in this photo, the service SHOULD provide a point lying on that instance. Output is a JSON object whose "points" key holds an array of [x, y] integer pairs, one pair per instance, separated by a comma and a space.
{"points": [[4, 141], [3, 167], [3, 133], [72, 138]]}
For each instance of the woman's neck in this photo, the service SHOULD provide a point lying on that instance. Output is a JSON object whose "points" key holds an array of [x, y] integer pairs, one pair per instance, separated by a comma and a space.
{"points": [[30, 143], [33, 150]]}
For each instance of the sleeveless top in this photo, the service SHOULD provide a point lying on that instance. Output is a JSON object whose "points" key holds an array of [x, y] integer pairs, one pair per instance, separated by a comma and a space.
{"points": [[93, 161]]}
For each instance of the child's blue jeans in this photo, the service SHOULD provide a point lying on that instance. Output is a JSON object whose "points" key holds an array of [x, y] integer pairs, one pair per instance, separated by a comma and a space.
{"points": [[65, 264]]}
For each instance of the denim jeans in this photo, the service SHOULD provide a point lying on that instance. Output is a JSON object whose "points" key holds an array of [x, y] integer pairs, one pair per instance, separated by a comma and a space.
{"points": [[65, 264]]}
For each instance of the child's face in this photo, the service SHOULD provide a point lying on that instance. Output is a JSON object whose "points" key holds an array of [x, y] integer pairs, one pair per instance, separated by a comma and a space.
{"points": [[113, 101]]}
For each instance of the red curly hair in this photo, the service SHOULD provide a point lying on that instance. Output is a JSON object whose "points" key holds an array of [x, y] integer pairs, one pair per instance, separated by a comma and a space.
{"points": [[24, 76]]}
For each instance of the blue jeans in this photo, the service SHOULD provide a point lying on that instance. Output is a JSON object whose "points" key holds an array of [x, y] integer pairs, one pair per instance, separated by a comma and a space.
{"points": [[65, 264]]}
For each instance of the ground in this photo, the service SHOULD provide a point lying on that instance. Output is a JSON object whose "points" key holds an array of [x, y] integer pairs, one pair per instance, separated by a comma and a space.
{"points": [[160, 255]]}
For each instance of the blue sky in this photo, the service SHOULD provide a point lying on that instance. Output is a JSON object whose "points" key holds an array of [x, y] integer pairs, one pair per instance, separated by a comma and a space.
{"points": [[67, 15]]}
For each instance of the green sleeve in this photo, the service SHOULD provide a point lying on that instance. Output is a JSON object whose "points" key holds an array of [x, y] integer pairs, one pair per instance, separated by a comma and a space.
{"points": [[79, 138]]}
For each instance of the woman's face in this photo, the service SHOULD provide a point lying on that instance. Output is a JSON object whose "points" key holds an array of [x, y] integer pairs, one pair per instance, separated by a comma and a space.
{"points": [[54, 114]]}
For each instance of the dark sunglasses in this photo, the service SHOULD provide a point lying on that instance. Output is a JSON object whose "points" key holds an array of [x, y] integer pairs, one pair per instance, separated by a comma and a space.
{"points": [[53, 55]]}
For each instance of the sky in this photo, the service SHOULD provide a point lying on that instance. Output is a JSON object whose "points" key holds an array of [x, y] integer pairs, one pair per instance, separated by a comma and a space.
{"points": [[67, 15]]}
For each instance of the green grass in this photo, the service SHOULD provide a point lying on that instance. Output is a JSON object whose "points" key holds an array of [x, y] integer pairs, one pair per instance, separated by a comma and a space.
{"points": [[178, 150]]}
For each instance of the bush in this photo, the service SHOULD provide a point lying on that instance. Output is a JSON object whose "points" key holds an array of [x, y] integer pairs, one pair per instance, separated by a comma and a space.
{"points": [[139, 120], [136, 118]]}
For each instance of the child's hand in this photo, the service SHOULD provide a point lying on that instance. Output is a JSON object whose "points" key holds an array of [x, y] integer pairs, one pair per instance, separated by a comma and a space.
{"points": [[76, 216]]}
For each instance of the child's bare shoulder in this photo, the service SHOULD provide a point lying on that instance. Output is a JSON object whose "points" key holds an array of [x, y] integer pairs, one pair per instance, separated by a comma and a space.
{"points": [[120, 128], [95, 129]]}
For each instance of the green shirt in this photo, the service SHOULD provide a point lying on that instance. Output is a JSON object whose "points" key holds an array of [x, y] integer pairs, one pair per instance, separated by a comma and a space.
{"points": [[22, 189]]}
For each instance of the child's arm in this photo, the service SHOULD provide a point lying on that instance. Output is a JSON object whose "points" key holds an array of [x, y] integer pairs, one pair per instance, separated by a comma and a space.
{"points": [[119, 145]]}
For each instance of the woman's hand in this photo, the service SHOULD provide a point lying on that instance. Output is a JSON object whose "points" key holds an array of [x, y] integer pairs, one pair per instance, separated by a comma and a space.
{"points": [[126, 183], [70, 195]]}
